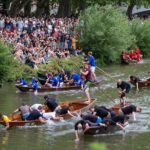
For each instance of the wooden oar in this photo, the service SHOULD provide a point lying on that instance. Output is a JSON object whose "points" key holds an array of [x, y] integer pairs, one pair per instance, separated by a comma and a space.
{"points": [[108, 75]]}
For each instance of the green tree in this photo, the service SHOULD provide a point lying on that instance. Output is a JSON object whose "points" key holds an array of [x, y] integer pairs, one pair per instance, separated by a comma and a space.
{"points": [[105, 31], [141, 31]]}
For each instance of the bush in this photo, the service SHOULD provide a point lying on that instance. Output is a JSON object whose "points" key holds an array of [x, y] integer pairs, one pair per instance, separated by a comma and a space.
{"points": [[141, 31], [71, 64], [7, 62], [105, 31]]}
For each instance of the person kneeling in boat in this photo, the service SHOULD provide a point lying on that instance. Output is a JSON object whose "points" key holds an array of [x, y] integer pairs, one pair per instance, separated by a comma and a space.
{"points": [[6, 120], [125, 88], [37, 115], [132, 109], [135, 80], [24, 111], [22, 82]]}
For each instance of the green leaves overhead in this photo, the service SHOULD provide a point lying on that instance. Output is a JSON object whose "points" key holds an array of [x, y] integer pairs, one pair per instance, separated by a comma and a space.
{"points": [[105, 31]]}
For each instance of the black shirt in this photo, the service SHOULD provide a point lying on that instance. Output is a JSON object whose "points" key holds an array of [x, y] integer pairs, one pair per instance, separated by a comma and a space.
{"points": [[62, 111], [101, 112], [129, 109], [51, 104], [91, 118], [114, 120], [124, 85], [34, 115]]}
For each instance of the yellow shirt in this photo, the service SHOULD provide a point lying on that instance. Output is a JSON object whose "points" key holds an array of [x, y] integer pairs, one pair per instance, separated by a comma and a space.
{"points": [[5, 119], [74, 41]]}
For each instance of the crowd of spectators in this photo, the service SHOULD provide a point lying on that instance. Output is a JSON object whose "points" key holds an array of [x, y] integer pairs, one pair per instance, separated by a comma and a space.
{"points": [[37, 40]]}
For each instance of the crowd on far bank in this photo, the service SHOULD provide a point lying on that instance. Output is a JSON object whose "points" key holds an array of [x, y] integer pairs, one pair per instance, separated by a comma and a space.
{"points": [[36, 41]]}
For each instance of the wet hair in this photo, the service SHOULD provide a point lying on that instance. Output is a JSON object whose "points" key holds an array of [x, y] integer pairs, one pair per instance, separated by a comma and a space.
{"points": [[46, 97], [40, 108]]}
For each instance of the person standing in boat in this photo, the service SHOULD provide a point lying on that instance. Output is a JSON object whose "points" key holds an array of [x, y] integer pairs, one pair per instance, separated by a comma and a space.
{"points": [[92, 63], [88, 80], [125, 88], [6, 120]]}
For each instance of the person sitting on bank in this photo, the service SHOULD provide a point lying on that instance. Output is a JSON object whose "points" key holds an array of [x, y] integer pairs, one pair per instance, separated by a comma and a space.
{"points": [[131, 109], [135, 80], [24, 111], [125, 88], [37, 115], [6, 120]]}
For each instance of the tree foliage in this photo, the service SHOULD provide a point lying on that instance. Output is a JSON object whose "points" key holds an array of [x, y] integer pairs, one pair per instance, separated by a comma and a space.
{"points": [[66, 7], [141, 31], [105, 31]]}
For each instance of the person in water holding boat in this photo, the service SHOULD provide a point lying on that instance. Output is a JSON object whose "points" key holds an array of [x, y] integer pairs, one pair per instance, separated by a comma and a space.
{"points": [[6, 120], [131, 109], [52, 105], [82, 125], [102, 112], [125, 88], [24, 111], [36, 115], [135, 80], [88, 80]]}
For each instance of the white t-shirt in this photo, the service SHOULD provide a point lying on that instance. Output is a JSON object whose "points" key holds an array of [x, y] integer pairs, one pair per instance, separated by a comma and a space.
{"points": [[49, 115], [35, 106]]}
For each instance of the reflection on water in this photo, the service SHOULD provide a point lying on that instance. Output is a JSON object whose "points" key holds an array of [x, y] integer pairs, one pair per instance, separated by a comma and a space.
{"points": [[60, 136]]}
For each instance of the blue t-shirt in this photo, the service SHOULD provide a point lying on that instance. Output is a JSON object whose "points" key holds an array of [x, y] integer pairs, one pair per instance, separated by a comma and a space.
{"points": [[92, 61], [23, 82], [55, 80], [35, 86], [76, 77]]}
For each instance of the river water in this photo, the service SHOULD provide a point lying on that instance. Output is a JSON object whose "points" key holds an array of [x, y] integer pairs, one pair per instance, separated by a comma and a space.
{"points": [[60, 136]]}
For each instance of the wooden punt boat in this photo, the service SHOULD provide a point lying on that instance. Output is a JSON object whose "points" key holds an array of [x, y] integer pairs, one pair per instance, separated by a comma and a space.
{"points": [[76, 106], [101, 130], [48, 89], [141, 84]]}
